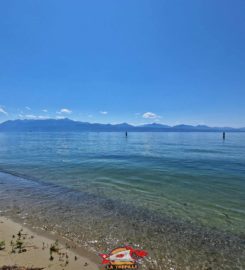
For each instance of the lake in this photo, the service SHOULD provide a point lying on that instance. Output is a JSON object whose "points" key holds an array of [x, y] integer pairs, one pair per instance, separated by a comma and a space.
{"points": [[181, 196]]}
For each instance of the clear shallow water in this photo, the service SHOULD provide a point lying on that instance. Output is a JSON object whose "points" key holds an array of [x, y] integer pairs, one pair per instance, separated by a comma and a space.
{"points": [[184, 190]]}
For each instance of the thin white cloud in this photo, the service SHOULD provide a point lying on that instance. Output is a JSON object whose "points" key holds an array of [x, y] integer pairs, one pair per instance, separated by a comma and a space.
{"points": [[104, 112], [3, 111], [27, 108], [150, 115], [60, 117], [64, 111], [45, 110], [32, 116], [42, 117]]}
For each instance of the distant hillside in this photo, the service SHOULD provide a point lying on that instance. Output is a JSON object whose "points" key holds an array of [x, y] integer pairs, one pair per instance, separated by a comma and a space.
{"points": [[54, 125]]}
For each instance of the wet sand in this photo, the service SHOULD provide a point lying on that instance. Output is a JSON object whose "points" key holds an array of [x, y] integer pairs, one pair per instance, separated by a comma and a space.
{"points": [[25, 248]]}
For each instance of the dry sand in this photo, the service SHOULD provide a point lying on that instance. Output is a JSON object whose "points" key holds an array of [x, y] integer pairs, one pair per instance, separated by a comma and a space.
{"points": [[35, 250]]}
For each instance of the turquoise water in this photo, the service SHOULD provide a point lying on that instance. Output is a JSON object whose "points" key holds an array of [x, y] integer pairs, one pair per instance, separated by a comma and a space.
{"points": [[195, 180]]}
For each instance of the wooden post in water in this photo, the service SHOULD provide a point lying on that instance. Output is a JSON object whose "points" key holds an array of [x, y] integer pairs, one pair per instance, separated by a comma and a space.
{"points": [[126, 134], [223, 135]]}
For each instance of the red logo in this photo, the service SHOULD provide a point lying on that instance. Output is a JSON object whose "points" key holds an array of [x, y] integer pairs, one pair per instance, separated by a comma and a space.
{"points": [[123, 258]]}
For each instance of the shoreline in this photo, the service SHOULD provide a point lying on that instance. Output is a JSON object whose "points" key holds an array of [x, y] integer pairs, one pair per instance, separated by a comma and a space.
{"points": [[35, 250], [67, 215]]}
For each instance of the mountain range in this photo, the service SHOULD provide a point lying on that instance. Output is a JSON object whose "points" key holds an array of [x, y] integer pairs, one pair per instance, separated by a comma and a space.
{"points": [[59, 125]]}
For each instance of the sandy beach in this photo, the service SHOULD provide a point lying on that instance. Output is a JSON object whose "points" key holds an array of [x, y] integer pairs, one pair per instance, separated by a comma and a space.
{"points": [[19, 246]]}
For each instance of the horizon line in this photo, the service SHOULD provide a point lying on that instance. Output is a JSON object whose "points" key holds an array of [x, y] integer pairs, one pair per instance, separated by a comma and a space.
{"points": [[113, 124]]}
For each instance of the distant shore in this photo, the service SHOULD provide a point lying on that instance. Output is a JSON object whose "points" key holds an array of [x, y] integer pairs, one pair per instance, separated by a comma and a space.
{"points": [[68, 125], [22, 247]]}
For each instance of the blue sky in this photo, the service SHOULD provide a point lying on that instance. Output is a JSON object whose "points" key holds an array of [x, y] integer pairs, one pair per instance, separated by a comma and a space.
{"points": [[124, 61]]}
